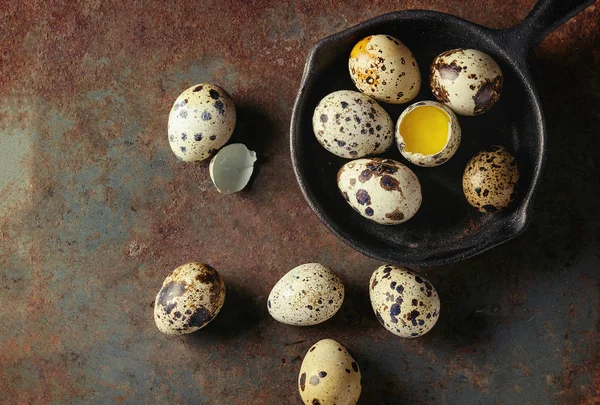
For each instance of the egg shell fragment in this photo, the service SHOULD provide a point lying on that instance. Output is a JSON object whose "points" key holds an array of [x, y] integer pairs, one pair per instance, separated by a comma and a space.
{"points": [[306, 295], [384, 68], [231, 168], [382, 190], [404, 302], [189, 299], [490, 179], [466, 80], [452, 144], [201, 121], [352, 125], [329, 375]]}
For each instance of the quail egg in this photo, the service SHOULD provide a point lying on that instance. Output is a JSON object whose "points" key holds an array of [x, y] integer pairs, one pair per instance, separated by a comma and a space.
{"points": [[201, 122], [307, 295], [329, 375], [404, 302], [382, 190], [466, 80], [189, 299], [352, 125], [490, 179], [427, 133], [384, 68]]}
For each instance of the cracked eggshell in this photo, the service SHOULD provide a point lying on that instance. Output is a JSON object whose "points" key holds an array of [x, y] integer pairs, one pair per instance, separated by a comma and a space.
{"points": [[307, 295], [329, 375], [404, 302], [231, 168], [384, 68], [352, 125], [490, 179], [382, 190], [200, 122], [454, 136], [189, 299], [466, 80]]}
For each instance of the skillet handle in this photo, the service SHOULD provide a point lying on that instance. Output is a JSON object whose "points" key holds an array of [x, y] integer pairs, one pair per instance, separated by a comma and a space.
{"points": [[545, 17]]}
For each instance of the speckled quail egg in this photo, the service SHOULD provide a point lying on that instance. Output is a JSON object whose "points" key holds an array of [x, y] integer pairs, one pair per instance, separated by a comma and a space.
{"points": [[404, 302], [307, 295], [352, 125], [329, 375], [427, 133], [201, 121], [384, 68], [189, 299], [490, 179], [466, 80], [382, 190]]}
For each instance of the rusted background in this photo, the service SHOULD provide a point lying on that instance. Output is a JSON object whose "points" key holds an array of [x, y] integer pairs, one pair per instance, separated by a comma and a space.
{"points": [[95, 211]]}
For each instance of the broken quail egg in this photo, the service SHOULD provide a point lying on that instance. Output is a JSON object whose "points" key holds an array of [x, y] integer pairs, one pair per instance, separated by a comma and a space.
{"points": [[189, 299], [231, 168], [200, 122], [382, 190], [329, 375], [352, 125], [307, 295], [427, 133], [384, 68], [466, 80], [490, 179], [405, 303]]}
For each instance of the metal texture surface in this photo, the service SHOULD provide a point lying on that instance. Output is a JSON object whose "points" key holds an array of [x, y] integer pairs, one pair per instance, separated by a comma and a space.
{"points": [[95, 212]]}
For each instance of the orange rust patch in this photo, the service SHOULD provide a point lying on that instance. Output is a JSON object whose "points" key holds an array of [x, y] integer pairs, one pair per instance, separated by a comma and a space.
{"points": [[360, 48], [367, 77]]}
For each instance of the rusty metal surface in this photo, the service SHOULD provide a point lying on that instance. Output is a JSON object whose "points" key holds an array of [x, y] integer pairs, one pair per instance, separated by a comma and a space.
{"points": [[95, 211]]}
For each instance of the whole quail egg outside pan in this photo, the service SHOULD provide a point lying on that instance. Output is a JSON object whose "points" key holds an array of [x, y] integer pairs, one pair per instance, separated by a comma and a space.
{"points": [[446, 228]]}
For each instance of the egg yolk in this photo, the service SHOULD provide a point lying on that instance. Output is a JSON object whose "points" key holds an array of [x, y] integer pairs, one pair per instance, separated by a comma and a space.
{"points": [[425, 130]]}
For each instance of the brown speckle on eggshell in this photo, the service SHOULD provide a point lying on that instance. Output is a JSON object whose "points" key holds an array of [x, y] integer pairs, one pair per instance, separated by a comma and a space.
{"points": [[189, 299], [351, 125], [467, 81], [404, 302], [201, 121], [382, 190], [384, 68], [306, 295], [329, 375], [490, 179]]}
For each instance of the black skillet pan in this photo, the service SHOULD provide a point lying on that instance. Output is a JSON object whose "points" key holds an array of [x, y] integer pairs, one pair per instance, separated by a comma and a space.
{"points": [[446, 228]]}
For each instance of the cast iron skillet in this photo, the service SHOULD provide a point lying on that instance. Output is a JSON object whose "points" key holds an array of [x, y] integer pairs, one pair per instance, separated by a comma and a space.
{"points": [[446, 228]]}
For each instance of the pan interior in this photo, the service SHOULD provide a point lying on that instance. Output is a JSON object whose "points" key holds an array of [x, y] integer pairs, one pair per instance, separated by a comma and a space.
{"points": [[446, 228]]}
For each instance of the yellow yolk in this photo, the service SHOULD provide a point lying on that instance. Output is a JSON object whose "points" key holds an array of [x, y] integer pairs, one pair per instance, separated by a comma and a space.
{"points": [[425, 130]]}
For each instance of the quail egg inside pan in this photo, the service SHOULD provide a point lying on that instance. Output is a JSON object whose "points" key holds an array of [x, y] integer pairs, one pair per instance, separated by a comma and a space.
{"points": [[427, 133], [446, 228]]}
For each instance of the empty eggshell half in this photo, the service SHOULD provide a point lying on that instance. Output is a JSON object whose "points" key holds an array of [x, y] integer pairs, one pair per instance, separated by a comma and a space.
{"points": [[231, 168]]}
